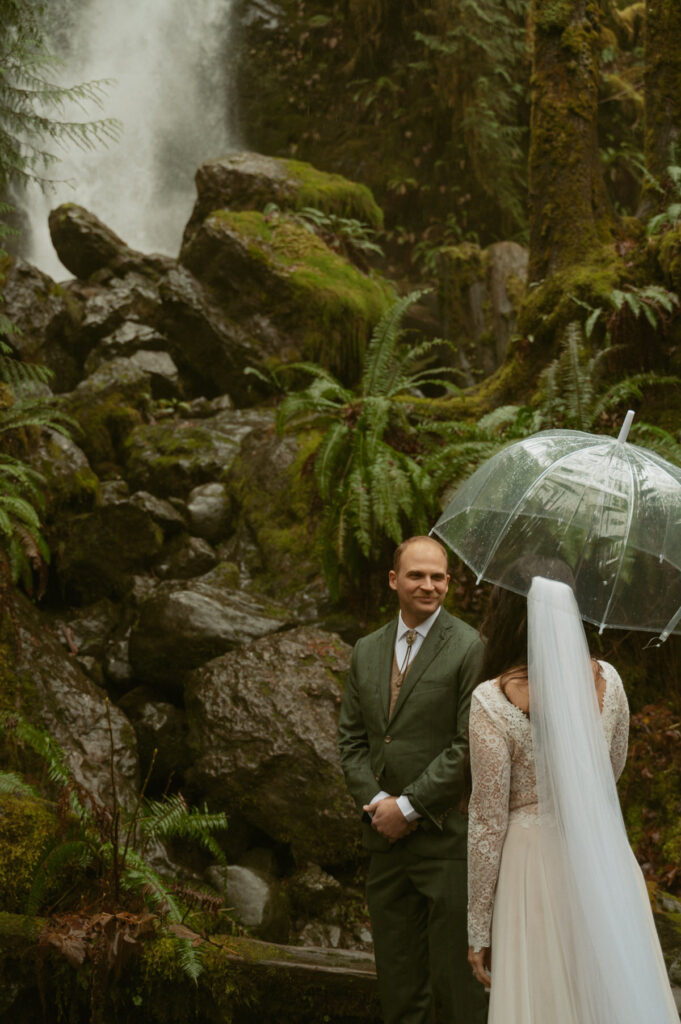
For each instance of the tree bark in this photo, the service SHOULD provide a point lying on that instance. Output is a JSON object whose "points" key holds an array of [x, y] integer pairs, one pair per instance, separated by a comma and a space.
{"points": [[662, 101], [570, 215]]}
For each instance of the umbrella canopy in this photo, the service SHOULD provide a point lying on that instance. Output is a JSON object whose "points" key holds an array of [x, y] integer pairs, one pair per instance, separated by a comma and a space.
{"points": [[607, 509]]}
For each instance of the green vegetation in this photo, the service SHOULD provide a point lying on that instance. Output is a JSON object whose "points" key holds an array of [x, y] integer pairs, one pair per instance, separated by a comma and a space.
{"points": [[23, 410], [32, 104], [105, 848], [374, 491]]}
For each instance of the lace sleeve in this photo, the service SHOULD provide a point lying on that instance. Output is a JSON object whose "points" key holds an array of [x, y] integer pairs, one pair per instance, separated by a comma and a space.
{"points": [[620, 734], [487, 819]]}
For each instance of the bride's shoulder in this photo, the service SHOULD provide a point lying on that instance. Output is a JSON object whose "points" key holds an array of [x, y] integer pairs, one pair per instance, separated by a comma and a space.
{"points": [[487, 692], [613, 680], [609, 671]]}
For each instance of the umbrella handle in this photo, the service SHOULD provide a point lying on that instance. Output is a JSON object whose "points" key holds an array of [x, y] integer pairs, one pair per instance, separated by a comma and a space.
{"points": [[624, 430]]}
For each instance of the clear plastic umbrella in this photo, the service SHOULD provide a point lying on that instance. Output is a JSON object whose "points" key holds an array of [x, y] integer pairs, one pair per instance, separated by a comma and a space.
{"points": [[608, 509]]}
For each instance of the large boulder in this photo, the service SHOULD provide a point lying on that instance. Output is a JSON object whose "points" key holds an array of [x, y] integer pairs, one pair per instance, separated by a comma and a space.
{"points": [[263, 722], [249, 181], [185, 624], [211, 348], [320, 301], [46, 684]]}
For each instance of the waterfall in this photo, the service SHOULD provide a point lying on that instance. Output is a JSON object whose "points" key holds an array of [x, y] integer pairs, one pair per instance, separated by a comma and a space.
{"points": [[171, 68]]}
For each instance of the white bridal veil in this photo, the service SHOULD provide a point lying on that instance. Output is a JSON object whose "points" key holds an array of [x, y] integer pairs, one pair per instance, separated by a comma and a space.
{"points": [[619, 975]]}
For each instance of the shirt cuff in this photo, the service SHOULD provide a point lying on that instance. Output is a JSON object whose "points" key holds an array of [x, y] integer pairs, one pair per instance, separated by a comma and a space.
{"points": [[404, 804], [379, 796]]}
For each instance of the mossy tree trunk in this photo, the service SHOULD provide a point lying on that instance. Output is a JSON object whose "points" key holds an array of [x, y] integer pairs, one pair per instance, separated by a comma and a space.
{"points": [[662, 100], [569, 212]]}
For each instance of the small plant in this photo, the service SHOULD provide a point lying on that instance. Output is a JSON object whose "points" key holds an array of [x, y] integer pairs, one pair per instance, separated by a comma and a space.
{"points": [[349, 236], [671, 215], [571, 396], [109, 847]]}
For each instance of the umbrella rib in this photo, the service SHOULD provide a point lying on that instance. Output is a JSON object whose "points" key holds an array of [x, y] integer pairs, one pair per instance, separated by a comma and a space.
{"points": [[630, 519], [511, 515]]}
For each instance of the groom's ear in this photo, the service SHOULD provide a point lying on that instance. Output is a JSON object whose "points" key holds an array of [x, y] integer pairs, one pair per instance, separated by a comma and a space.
{"points": [[392, 579]]}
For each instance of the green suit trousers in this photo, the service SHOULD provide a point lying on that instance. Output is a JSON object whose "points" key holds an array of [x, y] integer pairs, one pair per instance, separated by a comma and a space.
{"points": [[418, 915]]}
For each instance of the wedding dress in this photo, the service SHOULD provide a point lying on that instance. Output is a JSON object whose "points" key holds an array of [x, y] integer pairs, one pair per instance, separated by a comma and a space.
{"points": [[565, 949]]}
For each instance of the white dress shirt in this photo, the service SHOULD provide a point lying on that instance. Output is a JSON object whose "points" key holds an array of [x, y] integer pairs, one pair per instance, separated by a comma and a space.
{"points": [[401, 648]]}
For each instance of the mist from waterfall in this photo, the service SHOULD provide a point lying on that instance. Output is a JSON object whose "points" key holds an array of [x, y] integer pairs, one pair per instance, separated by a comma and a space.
{"points": [[171, 65]]}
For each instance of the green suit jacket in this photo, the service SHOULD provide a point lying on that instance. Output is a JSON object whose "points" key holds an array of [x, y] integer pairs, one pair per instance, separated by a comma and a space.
{"points": [[421, 749]]}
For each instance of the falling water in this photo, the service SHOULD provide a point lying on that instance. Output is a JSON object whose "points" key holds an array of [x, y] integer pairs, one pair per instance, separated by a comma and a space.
{"points": [[170, 62]]}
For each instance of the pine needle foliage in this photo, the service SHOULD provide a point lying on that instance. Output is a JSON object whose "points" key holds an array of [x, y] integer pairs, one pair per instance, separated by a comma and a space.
{"points": [[110, 844], [374, 489], [34, 106]]}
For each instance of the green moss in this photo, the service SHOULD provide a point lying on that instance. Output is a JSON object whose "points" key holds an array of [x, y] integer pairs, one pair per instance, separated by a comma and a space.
{"points": [[172, 457], [669, 257], [333, 193], [317, 295], [26, 827], [283, 519], [104, 424]]}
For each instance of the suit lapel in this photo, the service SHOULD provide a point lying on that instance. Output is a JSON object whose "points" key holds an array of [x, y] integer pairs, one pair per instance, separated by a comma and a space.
{"points": [[429, 649], [385, 654]]}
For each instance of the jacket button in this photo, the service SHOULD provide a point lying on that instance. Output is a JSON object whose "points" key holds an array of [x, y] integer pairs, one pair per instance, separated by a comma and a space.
{"points": [[388, 739], [378, 778]]}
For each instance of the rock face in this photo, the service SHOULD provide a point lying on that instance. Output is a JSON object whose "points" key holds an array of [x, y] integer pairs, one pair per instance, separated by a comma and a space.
{"points": [[263, 722], [74, 711], [183, 529], [184, 625]]}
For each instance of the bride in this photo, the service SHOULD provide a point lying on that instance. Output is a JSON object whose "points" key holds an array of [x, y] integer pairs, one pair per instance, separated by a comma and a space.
{"points": [[559, 920]]}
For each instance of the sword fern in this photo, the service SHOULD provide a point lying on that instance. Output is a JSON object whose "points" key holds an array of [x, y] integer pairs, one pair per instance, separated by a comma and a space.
{"points": [[367, 467]]}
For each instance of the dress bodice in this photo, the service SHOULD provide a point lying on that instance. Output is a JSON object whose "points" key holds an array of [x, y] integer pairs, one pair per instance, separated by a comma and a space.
{"points": [[504, 783]]}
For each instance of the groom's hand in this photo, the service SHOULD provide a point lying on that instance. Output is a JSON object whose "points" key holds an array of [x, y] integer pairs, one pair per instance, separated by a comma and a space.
{"points": [[388, 820]]}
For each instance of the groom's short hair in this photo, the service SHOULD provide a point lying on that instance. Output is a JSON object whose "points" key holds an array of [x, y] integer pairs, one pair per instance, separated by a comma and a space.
{"points": [[399, 551]]}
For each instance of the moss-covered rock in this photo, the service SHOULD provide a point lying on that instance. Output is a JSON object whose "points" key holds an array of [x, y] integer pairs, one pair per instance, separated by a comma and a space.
{"points": [[323, 303], [174, 456], [480, 293], [249, 181], [107, 406], [70, 482], [273, 490], [96, 553], [27, 825], [243, 981]]}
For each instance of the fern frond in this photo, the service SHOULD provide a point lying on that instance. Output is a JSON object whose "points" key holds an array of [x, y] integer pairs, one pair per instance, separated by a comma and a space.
{"points": [[171, 817], [381, 347], [12, 784]]}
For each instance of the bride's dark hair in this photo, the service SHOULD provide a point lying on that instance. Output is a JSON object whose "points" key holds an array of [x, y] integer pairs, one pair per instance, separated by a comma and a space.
{"points": [[504, 626]]}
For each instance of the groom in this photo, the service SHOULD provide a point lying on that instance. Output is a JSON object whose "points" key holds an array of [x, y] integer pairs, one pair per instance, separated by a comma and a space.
{"points": [[403, 736]]}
